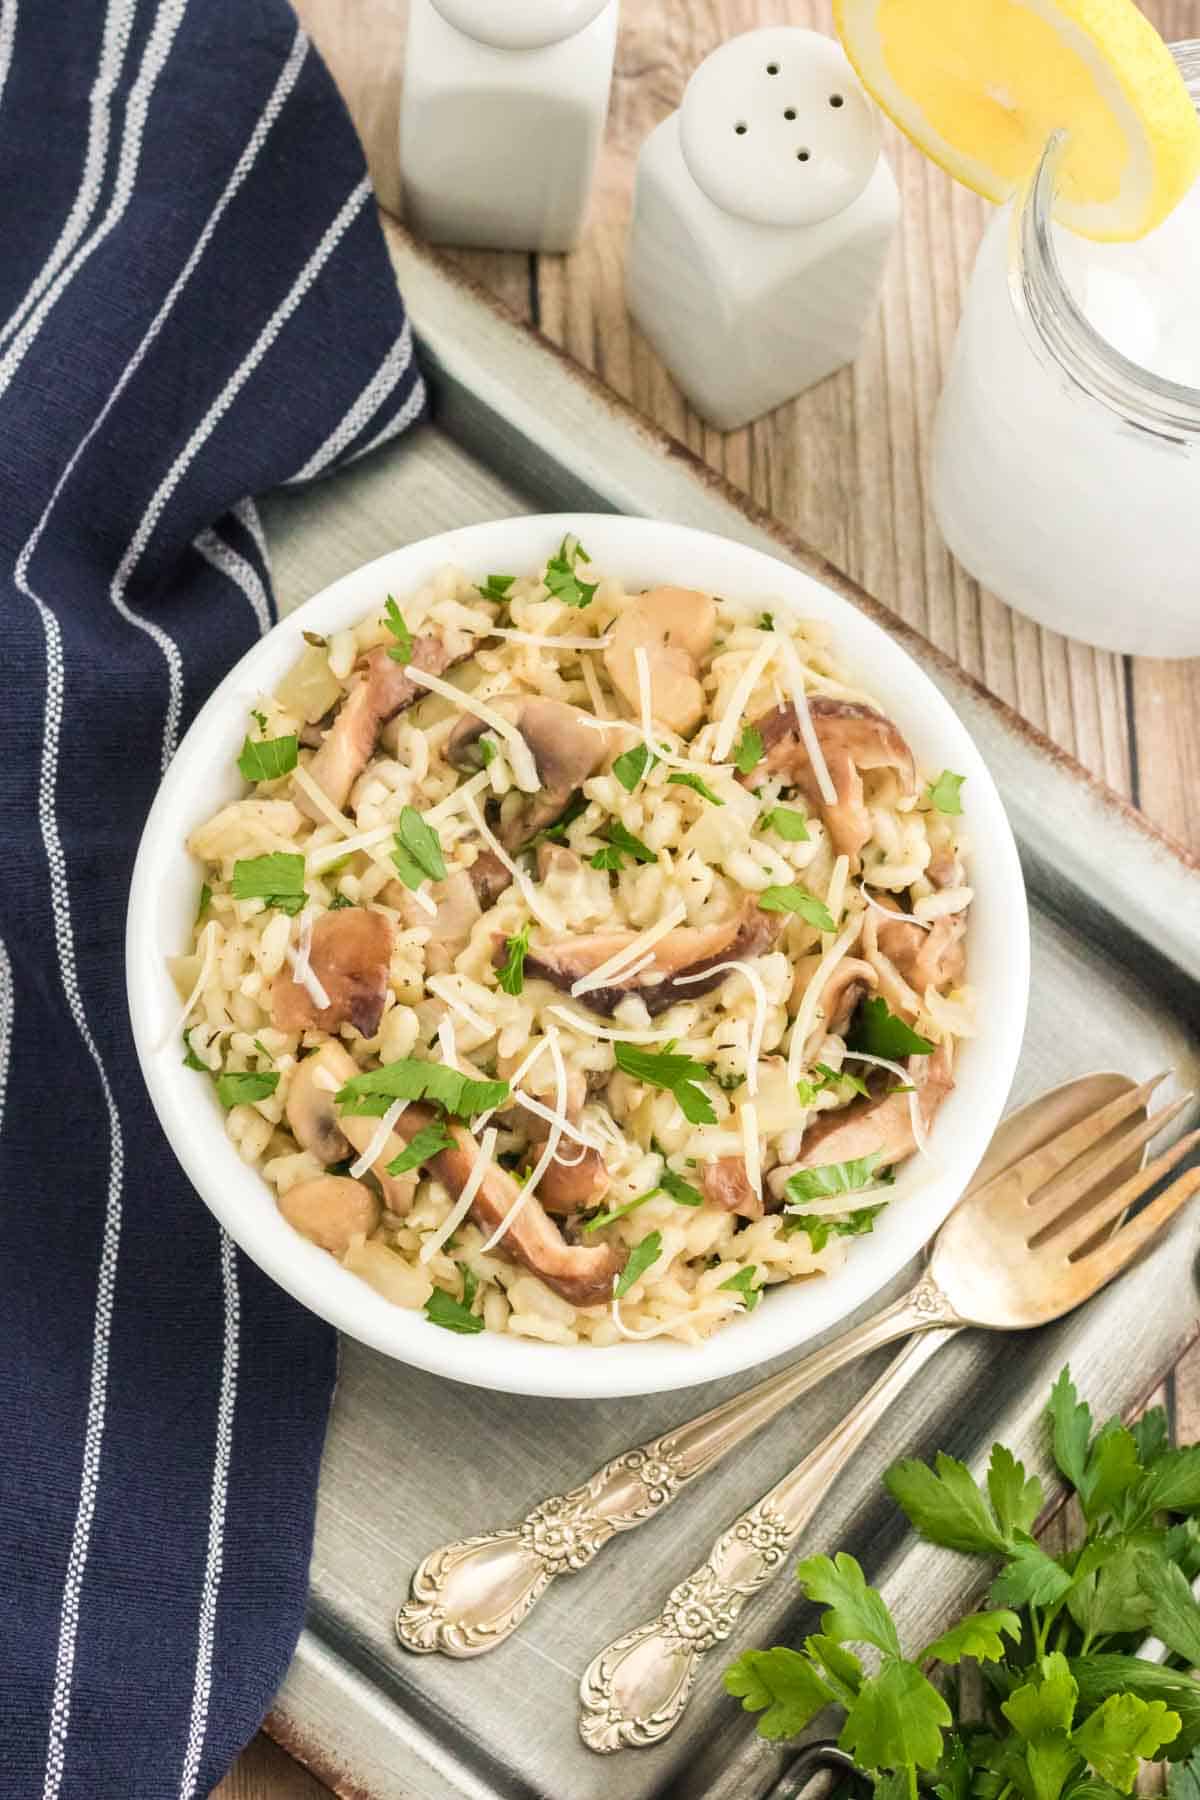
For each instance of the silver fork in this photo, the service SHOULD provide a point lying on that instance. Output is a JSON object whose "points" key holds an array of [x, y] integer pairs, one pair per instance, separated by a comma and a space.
{"points": [[1027, 1246], [470, 1595]]}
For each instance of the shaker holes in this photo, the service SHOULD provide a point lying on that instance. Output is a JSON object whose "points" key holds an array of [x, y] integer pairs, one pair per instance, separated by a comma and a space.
{"points": [[790, 113], [772, 68], [836, 100], [802, 156], [740, 128]]}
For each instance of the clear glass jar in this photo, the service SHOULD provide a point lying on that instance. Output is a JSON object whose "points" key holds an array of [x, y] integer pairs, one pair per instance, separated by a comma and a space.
{"points": [[1066, 475]]}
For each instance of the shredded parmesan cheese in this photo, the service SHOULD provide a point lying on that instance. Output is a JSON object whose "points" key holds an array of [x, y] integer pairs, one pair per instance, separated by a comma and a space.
{"points": [[326, 1079], [835, 897], [812, 994], [461, 794], [299, 963], [443, 987], [901, 917], [318, 859], [577, 1022], [759, 1025], [320, 799], [631, 953], [551, 1149], [484, 1153], [748, 1118], [519, 754], [522, 1069], [628, 1331], [378, 1141], [447, 1044], [591, 682], [743, 688], [208, 954], [546, 915], [920, 1135], [808, 734], [548, 1113]]}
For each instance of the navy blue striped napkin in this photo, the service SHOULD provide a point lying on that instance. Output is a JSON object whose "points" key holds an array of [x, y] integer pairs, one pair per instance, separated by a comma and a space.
{"points": [[195, 305]]}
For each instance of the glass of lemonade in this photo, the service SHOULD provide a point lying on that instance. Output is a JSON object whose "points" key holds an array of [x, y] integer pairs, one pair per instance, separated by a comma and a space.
{"points": [[1066, 460]]}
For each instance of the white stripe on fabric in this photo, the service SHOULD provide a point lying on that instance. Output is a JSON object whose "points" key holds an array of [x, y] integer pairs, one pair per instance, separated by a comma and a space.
{"points": [[8, 1010], [390, 371], [401, 422], [331, 237], [118, 23], [243, 574], [246, 514], [60, 901], [158, 45], [8, 33], [214, 1560], [285, 82]]}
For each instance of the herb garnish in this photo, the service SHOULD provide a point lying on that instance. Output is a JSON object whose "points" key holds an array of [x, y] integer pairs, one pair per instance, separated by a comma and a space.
{"points": [[830, 1078], [640, 1259], [943, 794], [205, 897], [620, 844], [749, 750], [191, 1060], [561, 578], [495, 587], [766, 621], [619, 1212], [369, 1095], [820, 1228], [879, 1032], [262, 1050], [266, 759], [677, 1074], [833, 1178], [786, 822], [743, 1283], [632, 765], [277, 879], [511, 974], [555, 834], [260, 718], [793, 899], [486, 748], [1070, 1722], [417, 853], [424, 1144], [681, 1191], [401, 651], [697, 785], [443, 1309], [339, 901], [243, 1088]]}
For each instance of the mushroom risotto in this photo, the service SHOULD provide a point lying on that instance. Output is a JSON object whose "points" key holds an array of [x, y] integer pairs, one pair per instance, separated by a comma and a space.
{"points": [[579, 963]]}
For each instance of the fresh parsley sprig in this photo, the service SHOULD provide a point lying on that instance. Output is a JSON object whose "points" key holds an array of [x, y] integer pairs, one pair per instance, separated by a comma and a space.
{"points": [[266, 759], [277, 879], [619, 844], [562, 578], [633, 765], [443, 1309], [794, 899], [511, 973], [749, 751], [417, 852], [369, 1095], [678, 1075], [642, 1257], [401, 651], [878, 1032], [944, 793], [425, 1143], [698, 786]]}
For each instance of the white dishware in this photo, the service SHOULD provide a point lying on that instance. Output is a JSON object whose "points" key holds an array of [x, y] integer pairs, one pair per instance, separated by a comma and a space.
{"points": [[641, 553], [1066, 459], [762, 215], [501, 118]]}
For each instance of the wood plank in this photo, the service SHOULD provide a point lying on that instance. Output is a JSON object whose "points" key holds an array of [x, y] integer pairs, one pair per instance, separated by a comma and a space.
{"points": [[265, 1772]]}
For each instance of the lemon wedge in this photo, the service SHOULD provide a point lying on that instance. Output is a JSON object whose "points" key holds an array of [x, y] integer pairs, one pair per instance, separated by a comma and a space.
{"points": [[981, 86]]}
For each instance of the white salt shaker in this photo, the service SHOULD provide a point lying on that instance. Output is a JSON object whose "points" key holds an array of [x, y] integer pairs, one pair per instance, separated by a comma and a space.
{"points": [[763, 212], [501, 119]]}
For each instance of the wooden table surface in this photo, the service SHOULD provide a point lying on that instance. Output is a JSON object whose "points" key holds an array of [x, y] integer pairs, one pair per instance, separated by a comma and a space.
{"points": [[845, 464]]}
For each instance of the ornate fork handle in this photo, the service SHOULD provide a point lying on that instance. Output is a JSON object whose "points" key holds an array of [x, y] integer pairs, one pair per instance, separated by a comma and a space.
{"points": [[469, 1596], [635, 1691]]}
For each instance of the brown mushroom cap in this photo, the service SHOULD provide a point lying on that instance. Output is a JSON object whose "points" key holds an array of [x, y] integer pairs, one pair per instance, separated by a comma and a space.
{"points": [[933, 957], [852, 738], [726, 1183], [331, 1211], [313, 1119], [676, 627], [350, 957], [882, 1122], [841, 994], [565, 753]]}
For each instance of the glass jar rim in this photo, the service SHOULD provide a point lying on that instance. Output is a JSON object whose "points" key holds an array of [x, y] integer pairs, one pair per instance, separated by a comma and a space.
{"points": [[1169, 409]]}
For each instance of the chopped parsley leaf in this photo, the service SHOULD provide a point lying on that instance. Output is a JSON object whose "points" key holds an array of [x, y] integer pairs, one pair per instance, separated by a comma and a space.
{"points": [[418, 850], [766, 621], [443, 1309], [205, 897], [840, 1078], [561, 577], [678, 1075], [554, 834], [641, 1257], [632, 765], [943, 794], [339, 901], [786, 822], [820, 1230], [743, 1283], [277, 879], [487, 750], [619, 1212], [262, 1050], [260, 718], [879, 1032], [749, 751], [243, 1088], [793, 899], [511, 974], [266, 759], [829, 1179], [190, 1059], [495, 587], [697, 786], [621, 843], [369, 1095], [426, 1143], [681, 1191], [401, 651]]}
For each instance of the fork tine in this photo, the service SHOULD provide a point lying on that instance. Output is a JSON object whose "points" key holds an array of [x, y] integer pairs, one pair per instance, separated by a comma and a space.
{"points": [[1041, 1165], [1060, 1196], [1081, 1231]]}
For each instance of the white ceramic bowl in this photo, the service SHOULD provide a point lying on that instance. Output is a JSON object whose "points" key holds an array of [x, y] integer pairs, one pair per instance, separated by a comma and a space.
{"points": [[641, 552]]}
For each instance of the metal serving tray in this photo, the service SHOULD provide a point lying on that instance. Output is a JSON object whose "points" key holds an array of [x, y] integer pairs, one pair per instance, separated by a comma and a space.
{"points": [[412, 1461]]}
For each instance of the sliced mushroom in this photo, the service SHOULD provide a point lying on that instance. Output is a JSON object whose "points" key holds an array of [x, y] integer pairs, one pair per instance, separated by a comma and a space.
{"points": [[841, 994], [725, 1183], [350, 956], [689, 950], [852, 738], [890, 984], [313, 1119], [489, 878], [557, 859], [926, 958], [675, 627], [581, 1273], [575, 1178], [565, 752], [458, 912], [881, 1122], [383, 691], [945, 870], [331, 1211]]}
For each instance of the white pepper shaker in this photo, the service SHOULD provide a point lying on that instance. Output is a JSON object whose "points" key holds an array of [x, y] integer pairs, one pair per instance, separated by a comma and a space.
{"points": [[501, 119], [762, 216]]}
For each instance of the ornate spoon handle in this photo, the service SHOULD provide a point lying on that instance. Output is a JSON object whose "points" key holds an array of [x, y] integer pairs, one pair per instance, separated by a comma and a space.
{"points": [[469, 1596], [635, 1691]]}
